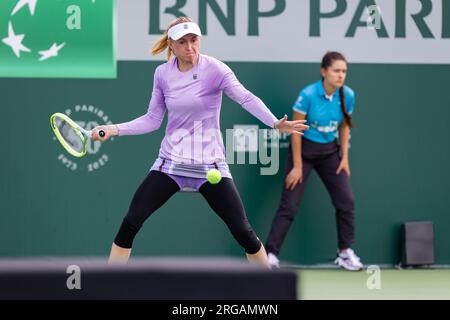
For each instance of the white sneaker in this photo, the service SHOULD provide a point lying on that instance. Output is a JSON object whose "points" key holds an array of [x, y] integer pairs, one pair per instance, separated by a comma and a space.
{"points": [[273, 261], [348, 260]]}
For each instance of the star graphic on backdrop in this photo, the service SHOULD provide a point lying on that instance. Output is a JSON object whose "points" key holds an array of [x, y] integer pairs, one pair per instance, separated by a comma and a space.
{"points": [[31, 5], [52, 52], [15, 41]]}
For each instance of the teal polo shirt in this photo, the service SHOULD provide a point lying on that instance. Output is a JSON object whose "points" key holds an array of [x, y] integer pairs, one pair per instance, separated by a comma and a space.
{"points": [[323, 113]]}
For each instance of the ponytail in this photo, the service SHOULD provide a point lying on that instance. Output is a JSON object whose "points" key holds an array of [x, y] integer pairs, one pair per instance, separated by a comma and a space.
{"points": [[327, 61], [163, 43], [347, 117]]}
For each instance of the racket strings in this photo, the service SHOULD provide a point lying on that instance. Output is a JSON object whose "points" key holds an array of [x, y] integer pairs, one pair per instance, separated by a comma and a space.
{"points": [[73, 138]]}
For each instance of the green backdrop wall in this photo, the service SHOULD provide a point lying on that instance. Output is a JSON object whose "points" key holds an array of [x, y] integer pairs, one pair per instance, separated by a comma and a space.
{"points": [[399, 160]]}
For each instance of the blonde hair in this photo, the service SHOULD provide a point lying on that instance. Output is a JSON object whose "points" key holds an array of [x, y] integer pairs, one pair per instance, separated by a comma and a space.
{"points": [[163, 43]]}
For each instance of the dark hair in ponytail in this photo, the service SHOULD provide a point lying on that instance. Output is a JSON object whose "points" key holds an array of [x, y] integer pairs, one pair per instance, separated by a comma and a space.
{"points": [[328, 59]]}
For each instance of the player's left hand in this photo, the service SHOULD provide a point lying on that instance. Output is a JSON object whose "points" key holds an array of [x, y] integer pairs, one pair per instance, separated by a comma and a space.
{"points": [[297, 126]]}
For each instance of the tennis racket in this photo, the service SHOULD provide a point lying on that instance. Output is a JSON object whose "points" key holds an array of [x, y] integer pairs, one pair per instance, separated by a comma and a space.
{"points": [[71, 136]]}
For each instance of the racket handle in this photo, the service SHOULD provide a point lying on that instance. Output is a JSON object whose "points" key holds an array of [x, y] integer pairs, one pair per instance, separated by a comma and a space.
{"points": [[101, 133]]}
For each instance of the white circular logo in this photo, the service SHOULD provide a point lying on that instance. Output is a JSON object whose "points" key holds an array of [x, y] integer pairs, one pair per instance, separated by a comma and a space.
{"points": [[88, 117]]}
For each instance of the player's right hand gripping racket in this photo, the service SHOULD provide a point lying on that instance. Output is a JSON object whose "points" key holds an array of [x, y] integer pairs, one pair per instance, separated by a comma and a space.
{"points": [[71, 136]]}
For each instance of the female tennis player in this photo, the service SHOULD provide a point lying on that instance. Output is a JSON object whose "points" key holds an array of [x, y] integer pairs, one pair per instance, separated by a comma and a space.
{"points": [[327, 105], [190, 88]]}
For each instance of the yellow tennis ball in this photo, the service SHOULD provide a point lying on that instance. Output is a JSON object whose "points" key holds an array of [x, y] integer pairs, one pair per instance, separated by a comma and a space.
{"points": [[214, 176]]}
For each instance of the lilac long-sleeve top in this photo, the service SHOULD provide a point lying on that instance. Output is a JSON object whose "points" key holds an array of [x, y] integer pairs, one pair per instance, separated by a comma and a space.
{"points": [[193, 101]]}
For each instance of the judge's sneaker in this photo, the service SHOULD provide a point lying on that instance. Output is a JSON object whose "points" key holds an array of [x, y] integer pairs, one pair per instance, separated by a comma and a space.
{"points": [[273, 261], [348, 260]]}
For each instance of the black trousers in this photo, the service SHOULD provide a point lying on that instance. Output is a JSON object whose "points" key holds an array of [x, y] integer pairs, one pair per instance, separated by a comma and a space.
{"points": [[325, 159], [158, 187]]}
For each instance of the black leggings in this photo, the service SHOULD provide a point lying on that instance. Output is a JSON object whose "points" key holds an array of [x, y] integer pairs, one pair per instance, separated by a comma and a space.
{"points": [[158, 187]]}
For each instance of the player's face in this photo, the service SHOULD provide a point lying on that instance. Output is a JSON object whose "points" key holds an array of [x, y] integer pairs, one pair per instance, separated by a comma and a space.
{"points": [[335, 74], [186, 48]]}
